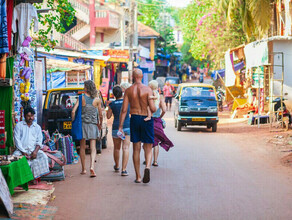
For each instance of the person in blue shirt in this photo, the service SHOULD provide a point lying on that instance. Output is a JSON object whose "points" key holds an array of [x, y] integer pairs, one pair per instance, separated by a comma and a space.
{"points": [[114, 108]]}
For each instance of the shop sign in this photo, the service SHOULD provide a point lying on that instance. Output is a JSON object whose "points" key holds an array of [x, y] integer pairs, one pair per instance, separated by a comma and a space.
{"points": [[144, 52], [150, 65], [125, 77], [258, 78], [117, 55], [104, 87], [75, 79]]}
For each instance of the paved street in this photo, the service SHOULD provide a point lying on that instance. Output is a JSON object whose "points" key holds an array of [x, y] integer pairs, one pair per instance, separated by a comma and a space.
{"points": [[205, 176]]}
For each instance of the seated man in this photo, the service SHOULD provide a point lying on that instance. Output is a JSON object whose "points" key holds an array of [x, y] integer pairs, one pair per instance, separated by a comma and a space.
{"points": [[28, 140]]}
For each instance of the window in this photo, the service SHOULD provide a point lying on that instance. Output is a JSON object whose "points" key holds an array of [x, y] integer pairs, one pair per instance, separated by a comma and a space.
{"points": [[54, 100], [68, 99], [198, 92], [63, 99]]}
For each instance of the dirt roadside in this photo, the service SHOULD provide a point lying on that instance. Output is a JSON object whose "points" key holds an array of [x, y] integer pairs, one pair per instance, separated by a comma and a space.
{"points": [[260, 142]]}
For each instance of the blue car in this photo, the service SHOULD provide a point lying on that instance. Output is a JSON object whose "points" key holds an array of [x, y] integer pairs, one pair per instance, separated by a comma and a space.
{"points": [[196, 105]]}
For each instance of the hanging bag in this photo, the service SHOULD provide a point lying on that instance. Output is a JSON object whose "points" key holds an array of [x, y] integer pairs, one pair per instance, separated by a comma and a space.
{"points": [[76, 130]]}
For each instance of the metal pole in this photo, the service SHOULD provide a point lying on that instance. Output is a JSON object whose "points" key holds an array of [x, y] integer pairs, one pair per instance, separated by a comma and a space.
{"points": [[131, 38], [259, 99]]}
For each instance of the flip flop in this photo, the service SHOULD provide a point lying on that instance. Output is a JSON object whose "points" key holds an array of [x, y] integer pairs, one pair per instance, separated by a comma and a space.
{"points": [[92, 173], [155, 164], [124, 173], [116, 169], [136, 181], [83, 172], [146, 178]]}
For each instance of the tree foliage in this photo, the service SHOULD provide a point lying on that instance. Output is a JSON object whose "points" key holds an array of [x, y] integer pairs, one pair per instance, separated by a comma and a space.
{"points": [[60, 11], [156, 14], [206, 29], [255, 15]]}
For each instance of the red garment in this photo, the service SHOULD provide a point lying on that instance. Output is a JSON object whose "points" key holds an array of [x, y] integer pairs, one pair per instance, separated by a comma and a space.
{"points": [[9, 20], [112, 72]]}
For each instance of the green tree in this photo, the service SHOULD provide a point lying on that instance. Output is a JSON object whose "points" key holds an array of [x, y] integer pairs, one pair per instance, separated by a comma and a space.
{"points": [[205, 27], [153, 12], [255, 15], [53, 20], [150, 10]]}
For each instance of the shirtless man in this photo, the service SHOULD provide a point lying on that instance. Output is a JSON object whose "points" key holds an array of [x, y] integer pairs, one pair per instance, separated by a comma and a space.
{"points": [[138, 96]]}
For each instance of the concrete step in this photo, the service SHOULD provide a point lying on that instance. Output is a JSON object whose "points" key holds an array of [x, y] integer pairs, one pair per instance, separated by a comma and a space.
{"points": [[82, 33]]}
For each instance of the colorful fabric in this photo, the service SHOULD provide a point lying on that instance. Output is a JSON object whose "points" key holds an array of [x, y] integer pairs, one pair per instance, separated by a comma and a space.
{"points": [[9, 21], [24, 13], [32, 91], [159, 135], [66, 146], [28, 211], [18, 173], [6, 100], [3, 28]]}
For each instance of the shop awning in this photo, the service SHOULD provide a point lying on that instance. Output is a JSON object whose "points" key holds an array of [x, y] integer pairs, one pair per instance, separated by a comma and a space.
{"points": [[68, 53], [221, 72], [64, 66]]}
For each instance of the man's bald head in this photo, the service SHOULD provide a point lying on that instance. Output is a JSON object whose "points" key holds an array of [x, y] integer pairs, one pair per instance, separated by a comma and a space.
{"points": [[137, 74]]}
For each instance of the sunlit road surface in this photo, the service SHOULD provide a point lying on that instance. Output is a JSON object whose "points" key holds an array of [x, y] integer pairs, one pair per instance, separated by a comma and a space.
{"points": [[205, 176]]}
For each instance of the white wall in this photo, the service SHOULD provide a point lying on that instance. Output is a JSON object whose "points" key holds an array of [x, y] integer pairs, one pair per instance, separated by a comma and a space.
{"points": [[284, 46]]}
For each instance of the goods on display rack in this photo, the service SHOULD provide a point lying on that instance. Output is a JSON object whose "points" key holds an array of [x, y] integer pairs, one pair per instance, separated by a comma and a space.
{"points": [[24, 87]]}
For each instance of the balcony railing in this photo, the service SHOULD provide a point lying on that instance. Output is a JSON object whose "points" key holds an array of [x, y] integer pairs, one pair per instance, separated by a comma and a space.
{"points": [[83, 8], [107, 19], [70, 42], [75, 29]]}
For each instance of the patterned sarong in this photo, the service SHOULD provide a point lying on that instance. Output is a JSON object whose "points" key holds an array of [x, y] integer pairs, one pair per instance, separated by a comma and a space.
{"points": [[159, 135]]}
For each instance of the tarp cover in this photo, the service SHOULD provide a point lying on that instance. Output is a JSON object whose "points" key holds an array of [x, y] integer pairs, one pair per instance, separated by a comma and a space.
{"points": [[60, 65], [221, 72]]}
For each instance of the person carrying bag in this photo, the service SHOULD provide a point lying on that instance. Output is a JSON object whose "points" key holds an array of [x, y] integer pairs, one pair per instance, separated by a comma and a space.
{"points": [[76, 130]]}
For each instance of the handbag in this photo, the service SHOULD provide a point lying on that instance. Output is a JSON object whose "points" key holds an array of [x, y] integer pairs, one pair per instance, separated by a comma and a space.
{"points": [[76, 130]]}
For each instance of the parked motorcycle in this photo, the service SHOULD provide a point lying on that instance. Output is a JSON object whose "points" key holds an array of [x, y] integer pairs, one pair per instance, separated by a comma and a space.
{"points": [[279, 111], [220, 96], [201, 78]]}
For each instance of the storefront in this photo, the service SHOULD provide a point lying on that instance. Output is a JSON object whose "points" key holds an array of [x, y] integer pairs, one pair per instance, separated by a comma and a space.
{"points": [[116, 69], [94, 59], [67, 74]]}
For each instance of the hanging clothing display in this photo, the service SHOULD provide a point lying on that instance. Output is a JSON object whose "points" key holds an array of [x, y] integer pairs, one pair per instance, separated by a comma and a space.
{"points": [[229, 70], [2, 66], [24, 13], [6, 102], [9, 21], [3, 28]]}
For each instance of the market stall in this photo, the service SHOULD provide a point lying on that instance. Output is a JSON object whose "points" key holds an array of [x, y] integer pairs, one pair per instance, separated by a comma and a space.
{"points": [[16, 172], [67, 74]]}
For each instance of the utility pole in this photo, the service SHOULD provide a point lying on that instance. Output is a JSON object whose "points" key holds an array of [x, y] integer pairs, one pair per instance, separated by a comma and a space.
{"points": [[132, 21]]}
